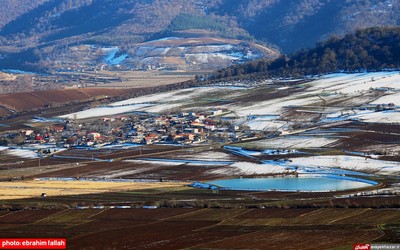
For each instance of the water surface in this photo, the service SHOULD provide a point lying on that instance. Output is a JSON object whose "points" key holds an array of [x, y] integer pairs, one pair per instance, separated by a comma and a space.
{"points": [[316, 184]]}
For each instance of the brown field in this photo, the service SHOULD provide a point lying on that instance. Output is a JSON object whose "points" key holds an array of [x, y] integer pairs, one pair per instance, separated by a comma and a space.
{"points": [[292, 239], [26, 217], [35, 100], [274, 213], [179, 228], [118, 168], [4, 111]]}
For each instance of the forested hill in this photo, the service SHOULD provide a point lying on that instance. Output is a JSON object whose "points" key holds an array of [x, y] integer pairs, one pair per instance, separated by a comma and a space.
{"points": [[289, 24], [39, 34], [11, 9], [369, 49]]}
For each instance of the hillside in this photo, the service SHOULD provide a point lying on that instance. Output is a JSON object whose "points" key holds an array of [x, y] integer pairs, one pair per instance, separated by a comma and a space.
{"points": [[371, 49], [38, 32], [10, 10], [290, 24], [295, 24]]}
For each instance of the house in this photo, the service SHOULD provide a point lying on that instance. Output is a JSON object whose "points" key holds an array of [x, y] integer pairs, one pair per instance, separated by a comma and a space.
{"points": [[216, 112], [58, 128], [151, 138], [39, 138], [210, 127], [197, 124], [94, 136], [27, 132]]}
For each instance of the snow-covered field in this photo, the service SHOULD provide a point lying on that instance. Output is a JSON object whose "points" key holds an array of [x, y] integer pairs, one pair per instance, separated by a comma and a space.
{"points": [[207, 155], [273, 106], [249, 168], [354, 163], [330, 164], [153, 103], [391, 98], [327, 88], [390, 116], [105, 111], [22, 153], [30, 152], [293, 142], [358, 82]]}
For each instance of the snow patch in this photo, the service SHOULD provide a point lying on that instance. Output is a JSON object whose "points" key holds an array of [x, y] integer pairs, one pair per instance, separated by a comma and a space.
{"points": [[110, 58]]}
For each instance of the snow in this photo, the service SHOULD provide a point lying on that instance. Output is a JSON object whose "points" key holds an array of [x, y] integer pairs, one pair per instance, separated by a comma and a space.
{"points": [[392, 98], [350, 83], [389, 116], [213, 48], [120, 173], [159, 97], [241, 151], [329, 164], [17, 71], [207, 155], [248, 168], [330, 86], [205, 57], [274, 107], [294, 142], [166, 39], [105, 111], [110, 58], [23, 153], [265, 124], [154, 162], [353, 163], [3, 148], [172, 99], [122, 146], [339, 84]]}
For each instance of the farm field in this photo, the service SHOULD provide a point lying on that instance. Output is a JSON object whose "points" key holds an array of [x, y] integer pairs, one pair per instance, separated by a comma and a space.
{"points": [[35, 100], [139, 79], [205, 228], [26, 189], [320, 127]]}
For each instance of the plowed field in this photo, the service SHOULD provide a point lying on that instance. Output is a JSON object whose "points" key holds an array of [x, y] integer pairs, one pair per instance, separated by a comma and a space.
{"points": [[178, 228]]}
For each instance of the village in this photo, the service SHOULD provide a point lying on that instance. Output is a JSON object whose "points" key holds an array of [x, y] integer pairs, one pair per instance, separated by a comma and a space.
{"points": [[138, 128]]}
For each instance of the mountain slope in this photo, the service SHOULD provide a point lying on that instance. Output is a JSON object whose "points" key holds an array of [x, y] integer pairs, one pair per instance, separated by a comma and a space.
{"points": [[12, 9], [56, 25], [290, 24], [294, 24]]}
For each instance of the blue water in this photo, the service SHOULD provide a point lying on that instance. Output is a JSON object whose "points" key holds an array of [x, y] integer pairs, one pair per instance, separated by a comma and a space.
{"points": [[316, 184]]}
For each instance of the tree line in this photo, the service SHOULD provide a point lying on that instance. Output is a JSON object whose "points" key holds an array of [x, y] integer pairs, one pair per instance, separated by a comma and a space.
{"points": [[370, 49]]}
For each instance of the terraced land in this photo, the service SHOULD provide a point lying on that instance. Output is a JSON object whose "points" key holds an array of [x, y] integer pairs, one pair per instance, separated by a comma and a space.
{"points": [[166, 228]]}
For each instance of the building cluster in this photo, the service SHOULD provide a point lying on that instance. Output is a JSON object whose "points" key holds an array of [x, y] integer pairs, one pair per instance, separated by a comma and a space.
{"points": [[141, 128]]}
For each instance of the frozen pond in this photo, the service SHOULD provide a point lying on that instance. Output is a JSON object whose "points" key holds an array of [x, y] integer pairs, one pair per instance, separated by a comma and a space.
{"points": [[302, 184]]}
